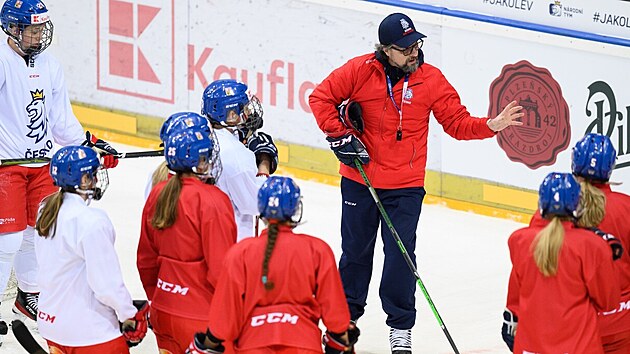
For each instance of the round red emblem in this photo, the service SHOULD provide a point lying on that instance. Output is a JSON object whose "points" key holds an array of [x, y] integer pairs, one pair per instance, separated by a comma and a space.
{"points": [[546, 129]]}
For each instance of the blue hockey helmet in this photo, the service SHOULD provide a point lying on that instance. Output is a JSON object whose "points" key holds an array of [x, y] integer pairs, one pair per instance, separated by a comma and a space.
{"points": [[594, 157], [185, 149], [70, 163], [279, 198], [28, 24], [559, 195], [223, 96], [183, 120]]}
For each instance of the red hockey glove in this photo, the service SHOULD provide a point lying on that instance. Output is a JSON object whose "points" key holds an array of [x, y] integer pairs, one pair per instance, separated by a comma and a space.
{"points": [[134, 329], [197, 346], [335, 343], [105, 150]]}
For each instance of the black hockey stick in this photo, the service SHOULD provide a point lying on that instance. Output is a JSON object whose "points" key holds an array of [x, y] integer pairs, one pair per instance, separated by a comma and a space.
{"points": [[122, 155], [412, 267], [25, 338]]}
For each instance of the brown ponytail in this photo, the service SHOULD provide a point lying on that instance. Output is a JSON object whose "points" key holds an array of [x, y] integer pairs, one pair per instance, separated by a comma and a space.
{"points": [[593, 205], [47, 219], [546, 247], [166, 206], [272, 237]]}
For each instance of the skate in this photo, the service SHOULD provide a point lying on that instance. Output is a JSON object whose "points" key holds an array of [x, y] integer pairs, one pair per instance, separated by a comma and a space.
{"points": [[25, 305], [400, 341]]}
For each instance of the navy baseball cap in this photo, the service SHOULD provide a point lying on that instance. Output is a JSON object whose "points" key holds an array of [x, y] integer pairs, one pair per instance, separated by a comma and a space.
{"points": [[398, 29]]}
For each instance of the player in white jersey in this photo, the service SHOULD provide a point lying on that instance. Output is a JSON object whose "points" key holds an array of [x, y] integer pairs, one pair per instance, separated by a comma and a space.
{"points": [[248, 158], [83, 297], [35, 113]]}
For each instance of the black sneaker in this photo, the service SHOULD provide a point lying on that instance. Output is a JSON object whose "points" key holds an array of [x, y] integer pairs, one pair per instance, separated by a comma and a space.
{"points": [[400, 341], [26, 304]]}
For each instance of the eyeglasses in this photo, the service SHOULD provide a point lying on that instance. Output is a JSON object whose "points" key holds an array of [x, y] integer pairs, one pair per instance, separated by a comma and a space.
{"points": [[412, 48]]}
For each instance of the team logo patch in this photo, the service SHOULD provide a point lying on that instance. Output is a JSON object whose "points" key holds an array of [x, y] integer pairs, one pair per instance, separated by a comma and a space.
{"points": [[405, 26], [38, 122], [408, 96], [546, 129]]}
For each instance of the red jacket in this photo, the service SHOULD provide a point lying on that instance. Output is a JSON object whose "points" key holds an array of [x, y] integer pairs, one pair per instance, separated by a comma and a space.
{"points": [[307, 288], [179, 266], [558, 314], [617, 223], [393, 164]]}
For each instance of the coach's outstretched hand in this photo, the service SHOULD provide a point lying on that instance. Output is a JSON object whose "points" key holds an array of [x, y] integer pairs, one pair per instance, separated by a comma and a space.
{"points": [[507, 117]]}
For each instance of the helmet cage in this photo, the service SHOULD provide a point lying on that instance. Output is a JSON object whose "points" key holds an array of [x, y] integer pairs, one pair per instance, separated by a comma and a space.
{"points": [[28, 24], [71, 163]]}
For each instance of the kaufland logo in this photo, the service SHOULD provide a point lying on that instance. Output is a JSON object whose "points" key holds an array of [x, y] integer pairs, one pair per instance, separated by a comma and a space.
{"points": [[136, 48]]}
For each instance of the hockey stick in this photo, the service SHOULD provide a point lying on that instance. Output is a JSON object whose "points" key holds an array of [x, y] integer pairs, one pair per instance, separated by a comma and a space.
{"points": [[403, 250], [122, 155], [25, 338]]}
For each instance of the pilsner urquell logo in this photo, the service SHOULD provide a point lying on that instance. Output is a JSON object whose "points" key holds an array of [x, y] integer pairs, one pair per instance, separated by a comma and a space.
{"points": [[546, 130]]}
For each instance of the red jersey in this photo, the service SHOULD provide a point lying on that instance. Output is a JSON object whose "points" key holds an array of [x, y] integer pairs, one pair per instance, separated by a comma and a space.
{"points": [[393, 163], [616, 223], [558, 314], [307, 288], [179, 266]]}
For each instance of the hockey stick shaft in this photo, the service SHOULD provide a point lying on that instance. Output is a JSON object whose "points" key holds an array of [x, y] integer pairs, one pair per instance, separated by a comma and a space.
{"points": [[122, 155], [405, 254], [25, 338]]}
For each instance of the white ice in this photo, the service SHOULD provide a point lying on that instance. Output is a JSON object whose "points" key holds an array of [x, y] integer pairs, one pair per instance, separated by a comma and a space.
{"points": [[462, 258]]}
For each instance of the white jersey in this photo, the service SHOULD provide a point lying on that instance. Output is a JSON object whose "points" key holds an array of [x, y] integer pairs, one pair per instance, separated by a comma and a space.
{"points": [[35, 109], [238, 180], [82, 296]]}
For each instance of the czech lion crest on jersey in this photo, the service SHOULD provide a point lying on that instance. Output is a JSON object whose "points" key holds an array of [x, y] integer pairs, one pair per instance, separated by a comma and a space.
{"points": [[38, 122]]}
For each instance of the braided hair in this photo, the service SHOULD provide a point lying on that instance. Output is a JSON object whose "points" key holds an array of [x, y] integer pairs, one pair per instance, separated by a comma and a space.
{"points": [[272, 237]]}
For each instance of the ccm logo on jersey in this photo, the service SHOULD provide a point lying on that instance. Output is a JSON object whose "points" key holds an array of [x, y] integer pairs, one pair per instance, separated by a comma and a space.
{"points": [[46, 317], [623, 306], [274, 317], [171, 288]]}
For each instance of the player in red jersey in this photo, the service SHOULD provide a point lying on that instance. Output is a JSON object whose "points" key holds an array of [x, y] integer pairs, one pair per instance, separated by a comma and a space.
{"points": [[593, 161], [187, 227], [275, 288], [562, 275]]}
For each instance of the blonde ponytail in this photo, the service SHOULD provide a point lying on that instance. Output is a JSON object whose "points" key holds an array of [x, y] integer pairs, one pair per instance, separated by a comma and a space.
{"points": [[592, 204], [546, 247]]}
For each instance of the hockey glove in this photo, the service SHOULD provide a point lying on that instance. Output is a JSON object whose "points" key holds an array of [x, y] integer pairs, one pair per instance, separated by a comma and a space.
{"points": [[351, 115], [134, 329], [613, 242], [262, 143], [508, 330], [198, 345], [107, 152], [347, 148], [335, 343]]}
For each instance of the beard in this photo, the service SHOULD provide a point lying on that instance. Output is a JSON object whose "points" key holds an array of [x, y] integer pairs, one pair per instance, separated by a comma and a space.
{"points": [[409, 68]]}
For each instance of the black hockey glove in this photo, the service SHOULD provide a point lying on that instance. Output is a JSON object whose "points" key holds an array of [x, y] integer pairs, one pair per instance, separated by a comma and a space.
{"points": [[197, 346], [351, 115], [335, 343], [262, 143], [347, 148], [508, 330], [613, 242], [107, 152]]}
